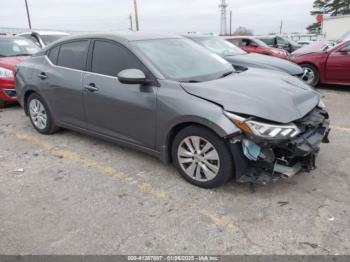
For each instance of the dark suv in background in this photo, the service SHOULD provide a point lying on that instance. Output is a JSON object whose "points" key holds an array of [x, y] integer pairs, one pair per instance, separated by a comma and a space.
{"points": [[280, 42]]}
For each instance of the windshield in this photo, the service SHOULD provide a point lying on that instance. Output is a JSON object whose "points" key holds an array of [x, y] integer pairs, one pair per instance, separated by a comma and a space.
{"points": [[17, 47], [48, 39], [220, 47], [183, 60]]}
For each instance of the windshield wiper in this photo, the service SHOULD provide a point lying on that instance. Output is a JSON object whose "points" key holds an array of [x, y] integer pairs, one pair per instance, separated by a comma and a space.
{"points": [[227, 74], [21, 55], [191, 81]]}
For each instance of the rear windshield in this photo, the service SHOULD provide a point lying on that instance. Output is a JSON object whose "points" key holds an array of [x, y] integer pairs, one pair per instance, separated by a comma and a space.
{"points": [[17, 47]]}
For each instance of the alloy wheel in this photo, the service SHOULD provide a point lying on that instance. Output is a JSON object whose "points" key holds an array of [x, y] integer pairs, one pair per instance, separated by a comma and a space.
{"points": [[308, 76], [38, 113], [198, 158]]}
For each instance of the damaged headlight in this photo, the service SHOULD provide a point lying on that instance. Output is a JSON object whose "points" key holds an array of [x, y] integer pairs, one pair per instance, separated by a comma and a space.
{"points": [[264, 130]]}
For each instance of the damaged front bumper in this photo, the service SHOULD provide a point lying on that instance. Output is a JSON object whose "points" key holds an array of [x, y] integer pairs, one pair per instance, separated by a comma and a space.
{"points": [[262, 162]]}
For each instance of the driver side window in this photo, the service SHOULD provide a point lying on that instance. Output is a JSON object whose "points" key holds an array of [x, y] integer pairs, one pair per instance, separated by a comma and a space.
{"points": [[109, 59]]}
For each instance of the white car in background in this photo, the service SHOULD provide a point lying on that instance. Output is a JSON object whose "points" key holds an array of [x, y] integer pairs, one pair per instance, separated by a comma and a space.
{"points": [[43, 38]]}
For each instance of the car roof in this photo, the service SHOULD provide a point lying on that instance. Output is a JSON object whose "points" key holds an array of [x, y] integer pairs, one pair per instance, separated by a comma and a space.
{"points": [[238, 37], [199, 36], [126, 36], [45, 33], [267, 36]]}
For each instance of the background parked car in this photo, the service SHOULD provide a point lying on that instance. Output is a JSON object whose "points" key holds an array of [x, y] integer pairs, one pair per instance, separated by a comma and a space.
{"points": [[241, 60], [43, 38], [280, 42], [254, 45], [13, 50], [324, 64]]}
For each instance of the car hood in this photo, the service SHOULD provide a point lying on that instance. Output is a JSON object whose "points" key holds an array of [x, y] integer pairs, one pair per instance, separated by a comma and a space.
{"points": [[312, 48], [267, 62], [11, 62], [261, 93]]}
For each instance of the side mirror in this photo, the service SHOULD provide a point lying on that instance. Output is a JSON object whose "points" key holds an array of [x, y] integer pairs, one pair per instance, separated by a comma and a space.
{"points": [[253, 45], [133, 76]]}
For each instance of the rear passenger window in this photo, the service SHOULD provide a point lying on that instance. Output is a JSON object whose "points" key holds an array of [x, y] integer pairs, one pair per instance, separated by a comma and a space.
{"points": [[109, 59], [53, 54], [73, 55]]}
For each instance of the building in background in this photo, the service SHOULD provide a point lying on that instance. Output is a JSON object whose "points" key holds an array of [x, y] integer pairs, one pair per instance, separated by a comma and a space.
{"points": [[334, 27]]}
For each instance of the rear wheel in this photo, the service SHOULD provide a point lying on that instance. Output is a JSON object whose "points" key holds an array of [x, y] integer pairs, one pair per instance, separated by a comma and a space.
{"points": [[311, 75], [202, 157], [40, 115], [2, 103]]}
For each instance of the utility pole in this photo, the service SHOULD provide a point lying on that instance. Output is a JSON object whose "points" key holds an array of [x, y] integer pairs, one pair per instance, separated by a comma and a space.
{"points": [[28, 15], [231, 22], [130, 17], [136, 16], [281, 26]]}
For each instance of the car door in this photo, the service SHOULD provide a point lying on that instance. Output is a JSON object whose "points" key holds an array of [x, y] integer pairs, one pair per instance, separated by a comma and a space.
{"points": [[338, 66], [63, 81], [120, 111]]}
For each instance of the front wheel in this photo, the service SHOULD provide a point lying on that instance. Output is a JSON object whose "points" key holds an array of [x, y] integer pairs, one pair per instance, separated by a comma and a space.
{"points": [[202, 157], [311, 75], [40, 115]]}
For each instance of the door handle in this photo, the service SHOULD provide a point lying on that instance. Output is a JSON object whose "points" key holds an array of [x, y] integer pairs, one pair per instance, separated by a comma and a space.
{"points": [[42, 76], [91, 87]]}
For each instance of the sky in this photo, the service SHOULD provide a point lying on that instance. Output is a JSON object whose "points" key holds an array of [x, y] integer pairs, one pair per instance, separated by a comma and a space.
{"points": [[177, 16]]}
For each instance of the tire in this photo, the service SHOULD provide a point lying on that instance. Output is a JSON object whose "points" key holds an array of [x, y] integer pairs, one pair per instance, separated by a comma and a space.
{"points": [[38, 111], [311, 74], [202, 170], [2, 103]]}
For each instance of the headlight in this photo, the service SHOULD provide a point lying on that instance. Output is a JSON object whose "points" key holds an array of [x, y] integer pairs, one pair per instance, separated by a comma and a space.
{"points": [[321, 104], [6, 73], [264, 130]]}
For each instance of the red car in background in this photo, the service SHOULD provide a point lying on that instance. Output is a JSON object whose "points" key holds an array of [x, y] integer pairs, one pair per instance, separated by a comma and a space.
{"points": [[324, 64], [254, 45], [13, 50]]}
